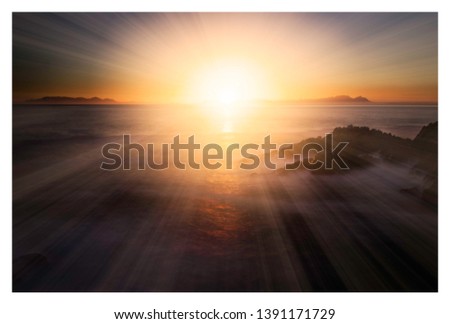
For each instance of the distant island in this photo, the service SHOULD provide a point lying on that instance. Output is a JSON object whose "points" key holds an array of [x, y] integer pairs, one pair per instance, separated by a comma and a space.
{"points": [[71, 101], [343, 98], [338, 99]]}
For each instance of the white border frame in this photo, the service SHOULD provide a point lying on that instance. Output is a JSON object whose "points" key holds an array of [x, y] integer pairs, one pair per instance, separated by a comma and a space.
{"points": [[99, 307]]}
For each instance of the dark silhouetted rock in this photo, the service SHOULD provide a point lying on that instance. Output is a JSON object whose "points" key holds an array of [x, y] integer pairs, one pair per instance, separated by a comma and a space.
{"points": [[427, 139], [367, 146]]}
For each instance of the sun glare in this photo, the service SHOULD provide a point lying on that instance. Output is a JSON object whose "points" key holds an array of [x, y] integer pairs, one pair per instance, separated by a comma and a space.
{"points": [[227, 96], [226, 84], [225, 91]]}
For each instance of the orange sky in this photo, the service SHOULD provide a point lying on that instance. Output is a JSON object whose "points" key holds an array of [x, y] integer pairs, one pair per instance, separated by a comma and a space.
{"points": [[196, 57]]}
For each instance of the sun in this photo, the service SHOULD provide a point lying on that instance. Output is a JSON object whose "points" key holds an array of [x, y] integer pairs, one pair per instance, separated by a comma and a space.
{"points": [[225, 85], [227, 96], [227, 93], [227, 101]]}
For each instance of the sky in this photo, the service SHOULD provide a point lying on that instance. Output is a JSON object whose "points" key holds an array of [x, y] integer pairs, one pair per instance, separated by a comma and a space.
{"points": [[197, 57]]}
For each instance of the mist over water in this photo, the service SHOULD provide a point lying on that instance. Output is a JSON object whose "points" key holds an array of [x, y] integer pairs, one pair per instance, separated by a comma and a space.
{"points": [[79, 228], [289, 122]]}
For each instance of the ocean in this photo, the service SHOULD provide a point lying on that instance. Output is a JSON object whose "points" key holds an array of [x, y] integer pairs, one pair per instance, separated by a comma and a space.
{"points": [[79, 228], [289, 122]]}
